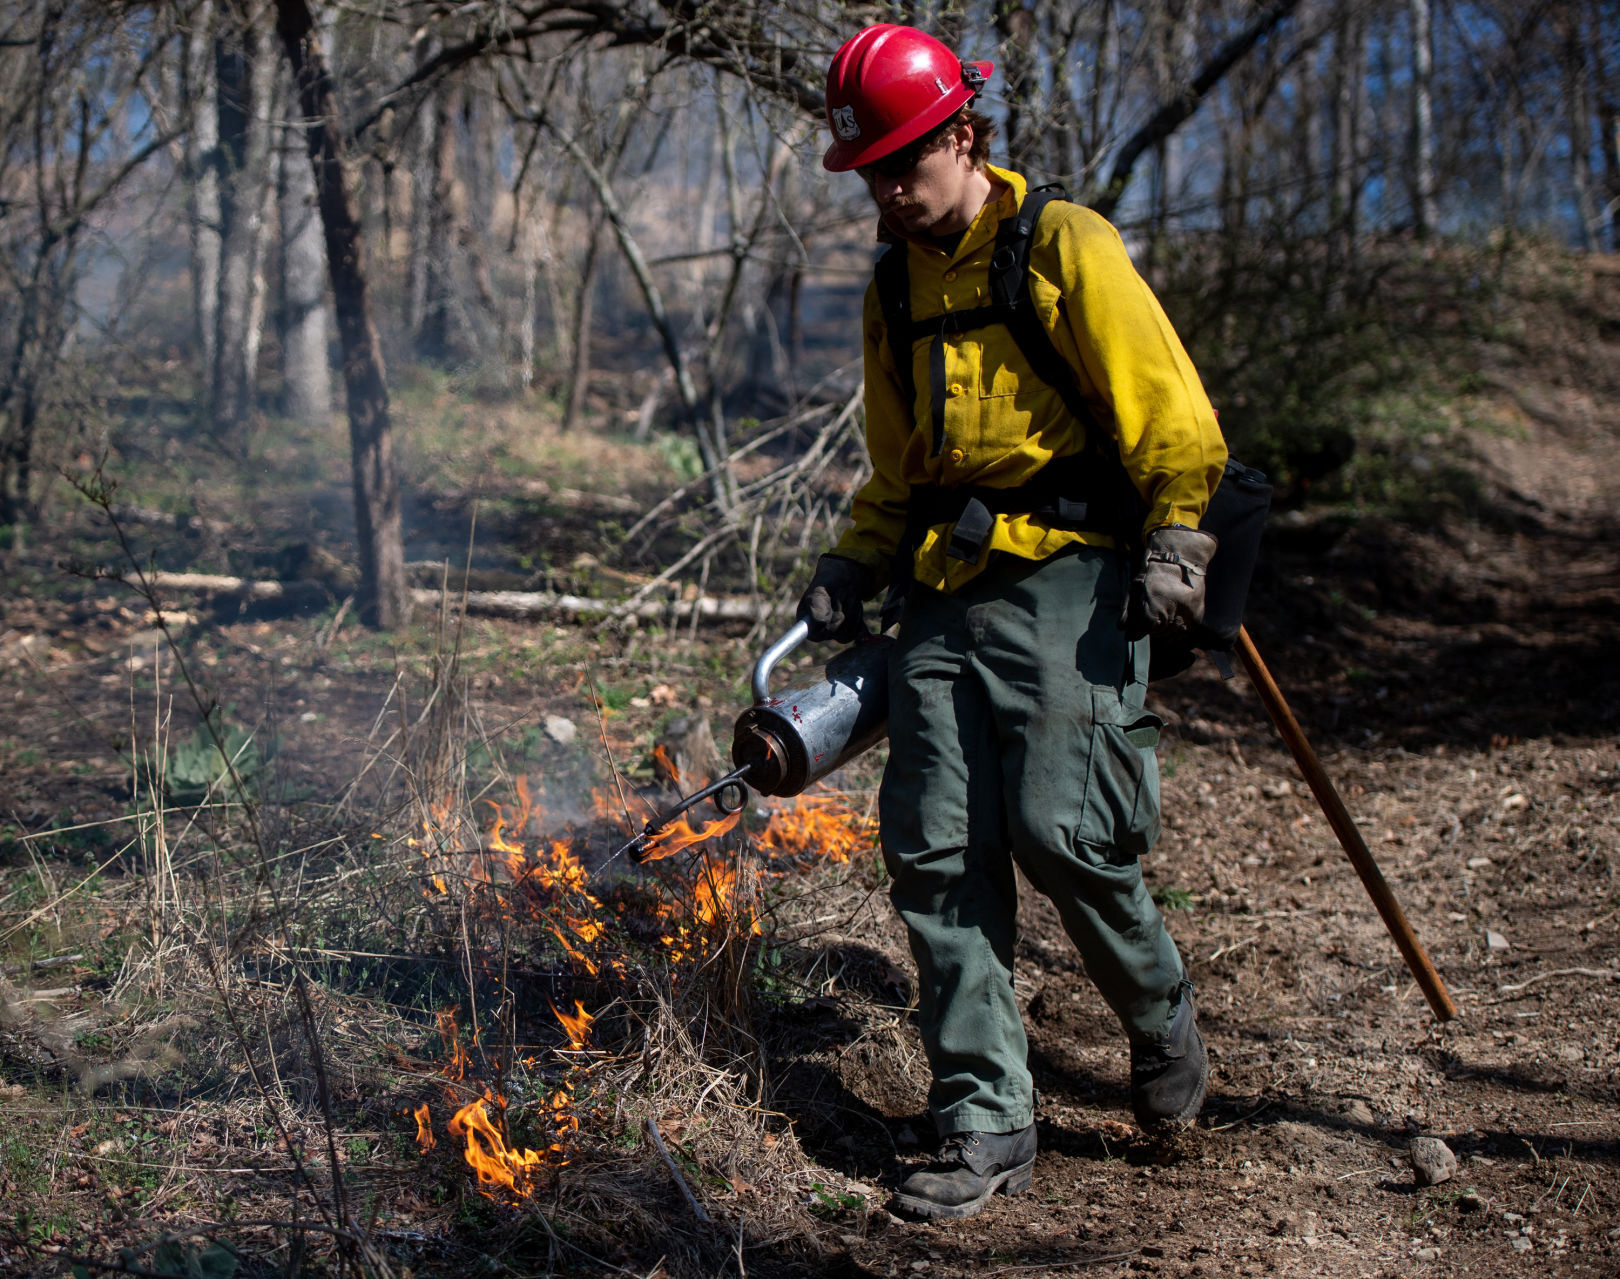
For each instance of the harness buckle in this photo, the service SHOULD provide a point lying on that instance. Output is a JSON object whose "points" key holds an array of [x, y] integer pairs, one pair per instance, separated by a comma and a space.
{"points": [[971, 532]]}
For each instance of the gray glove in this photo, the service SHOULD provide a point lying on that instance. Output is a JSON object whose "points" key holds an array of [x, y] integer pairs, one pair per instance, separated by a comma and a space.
{"points": [[832, 602], [1167, 596]]}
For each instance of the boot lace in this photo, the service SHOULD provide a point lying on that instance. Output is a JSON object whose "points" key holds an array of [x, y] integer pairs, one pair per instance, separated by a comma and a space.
{"points": [[954, 1151]]}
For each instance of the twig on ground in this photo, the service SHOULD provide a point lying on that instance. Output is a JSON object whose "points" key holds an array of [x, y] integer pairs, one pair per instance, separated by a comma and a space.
{"points": [[1607, 974], [680, 1181]]}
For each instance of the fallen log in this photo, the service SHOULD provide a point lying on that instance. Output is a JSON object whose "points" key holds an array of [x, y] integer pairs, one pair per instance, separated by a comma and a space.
{"points": [[515, 605]]}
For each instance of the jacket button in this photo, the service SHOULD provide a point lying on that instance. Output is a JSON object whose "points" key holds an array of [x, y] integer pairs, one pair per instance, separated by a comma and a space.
{"points": [[956, 388], [949, 276], [957, 455]]}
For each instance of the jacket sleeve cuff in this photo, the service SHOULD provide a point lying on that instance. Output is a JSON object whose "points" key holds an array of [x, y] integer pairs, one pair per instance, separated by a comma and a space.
{"points": [[1161, 516]]}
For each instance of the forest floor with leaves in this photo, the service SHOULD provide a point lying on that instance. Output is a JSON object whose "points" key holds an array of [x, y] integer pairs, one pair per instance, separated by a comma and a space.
{"points": [[219, 1023]]}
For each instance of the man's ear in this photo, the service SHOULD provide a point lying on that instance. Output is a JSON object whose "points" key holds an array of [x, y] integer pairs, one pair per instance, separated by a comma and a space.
{"points": [[964, 138]]}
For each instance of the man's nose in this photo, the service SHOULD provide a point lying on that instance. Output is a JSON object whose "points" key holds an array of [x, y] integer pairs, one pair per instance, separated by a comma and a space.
{"points": [[885, 189]]}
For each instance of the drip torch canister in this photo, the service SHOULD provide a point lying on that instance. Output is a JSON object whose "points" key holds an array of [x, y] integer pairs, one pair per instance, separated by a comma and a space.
{"points": [[787, 740]]}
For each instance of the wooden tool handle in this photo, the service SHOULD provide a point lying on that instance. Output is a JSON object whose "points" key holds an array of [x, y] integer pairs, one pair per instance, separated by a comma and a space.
{"points": [[1417, 959]]}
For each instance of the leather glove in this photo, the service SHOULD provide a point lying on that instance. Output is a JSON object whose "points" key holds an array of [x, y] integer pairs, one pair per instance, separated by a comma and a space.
{"points": [[832, 602], [1167, 596]]}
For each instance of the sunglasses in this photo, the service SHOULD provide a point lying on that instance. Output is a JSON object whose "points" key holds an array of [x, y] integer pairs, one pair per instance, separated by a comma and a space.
{"points": [[901, 162]]}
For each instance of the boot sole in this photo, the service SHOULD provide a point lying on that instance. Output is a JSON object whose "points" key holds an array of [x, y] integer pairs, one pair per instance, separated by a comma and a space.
{"points": [[1013, 1181]]}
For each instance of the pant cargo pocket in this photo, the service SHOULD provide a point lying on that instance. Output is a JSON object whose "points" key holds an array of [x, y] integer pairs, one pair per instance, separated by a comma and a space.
{"points": [[1121, 809]]}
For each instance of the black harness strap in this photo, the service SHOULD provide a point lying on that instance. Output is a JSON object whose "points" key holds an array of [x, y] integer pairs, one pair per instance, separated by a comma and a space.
{"points": [[1085, 491]]}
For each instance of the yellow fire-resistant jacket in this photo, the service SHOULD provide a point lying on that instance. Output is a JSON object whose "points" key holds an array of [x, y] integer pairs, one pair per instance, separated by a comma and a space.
{"points": [[1002, 423]]}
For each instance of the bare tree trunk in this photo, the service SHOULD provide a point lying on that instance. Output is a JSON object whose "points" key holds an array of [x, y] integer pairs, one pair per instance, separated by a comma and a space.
{"points": [[200, 98], [1423, 179], [1578, 102], [1608, 96], [243, 246], [306, 373], [1349, 102], [434, 337], [1347, 85], [579, 371], [384, 599], [1015, 24], [424, 143]]}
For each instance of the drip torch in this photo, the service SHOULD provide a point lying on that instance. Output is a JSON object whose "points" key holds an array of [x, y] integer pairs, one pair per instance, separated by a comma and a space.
{"points": [[785, 741]]}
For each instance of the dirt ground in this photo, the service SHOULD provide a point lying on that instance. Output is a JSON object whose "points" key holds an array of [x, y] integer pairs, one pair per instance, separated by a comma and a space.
{"points": [[1460, 684]]}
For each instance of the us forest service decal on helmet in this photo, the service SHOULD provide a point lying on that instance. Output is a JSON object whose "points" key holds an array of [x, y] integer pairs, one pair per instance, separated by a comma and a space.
{"points": [[844, 124]]}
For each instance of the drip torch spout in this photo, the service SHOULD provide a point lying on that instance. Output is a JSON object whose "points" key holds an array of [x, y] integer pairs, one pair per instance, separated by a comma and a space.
{"points": [[729, 795]]}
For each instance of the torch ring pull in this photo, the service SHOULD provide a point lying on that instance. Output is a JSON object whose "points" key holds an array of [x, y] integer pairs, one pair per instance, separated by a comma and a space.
{"points": [[774, 654]]}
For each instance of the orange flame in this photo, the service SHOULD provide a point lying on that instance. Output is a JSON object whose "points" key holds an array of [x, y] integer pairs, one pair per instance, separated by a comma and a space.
{"points": [[680, 835], [495, 1162], [664, 766], [425, 1140], [714, 898], [574, 952], [577, 1026], [460, 1063], [819, 825]]}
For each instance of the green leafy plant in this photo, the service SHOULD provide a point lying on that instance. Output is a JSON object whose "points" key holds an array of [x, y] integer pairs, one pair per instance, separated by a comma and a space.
{"points": [[196, 768], [1175, 898], [826, 1202]]}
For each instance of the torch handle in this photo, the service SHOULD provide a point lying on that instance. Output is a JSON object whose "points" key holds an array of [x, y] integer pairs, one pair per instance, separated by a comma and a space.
{"points": [[1417, 959], [761, 681]]}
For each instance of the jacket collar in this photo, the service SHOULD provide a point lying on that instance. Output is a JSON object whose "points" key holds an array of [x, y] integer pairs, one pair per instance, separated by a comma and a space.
{"points": [[1012, 187]]}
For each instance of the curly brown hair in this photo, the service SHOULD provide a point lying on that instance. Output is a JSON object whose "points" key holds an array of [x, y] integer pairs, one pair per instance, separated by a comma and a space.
{"points": [[984, 129]]}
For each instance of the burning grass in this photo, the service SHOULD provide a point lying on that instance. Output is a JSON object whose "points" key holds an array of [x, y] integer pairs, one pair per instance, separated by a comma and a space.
{"points": [[466, 1032], [433, 1028]]}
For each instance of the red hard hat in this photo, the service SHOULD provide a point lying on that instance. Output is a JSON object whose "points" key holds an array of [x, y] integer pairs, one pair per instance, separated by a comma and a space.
{"points": [[888, 86]]}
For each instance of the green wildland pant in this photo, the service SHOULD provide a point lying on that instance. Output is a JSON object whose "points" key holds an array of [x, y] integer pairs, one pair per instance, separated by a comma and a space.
{"points": [[1017, 731]]}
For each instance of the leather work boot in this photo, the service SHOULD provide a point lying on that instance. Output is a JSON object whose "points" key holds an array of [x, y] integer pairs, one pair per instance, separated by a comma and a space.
{"points": [[971, 1167], [1169, 1080]]}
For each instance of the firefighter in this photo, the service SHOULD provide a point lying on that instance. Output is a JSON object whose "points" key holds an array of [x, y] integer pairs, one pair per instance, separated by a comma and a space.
{"points": [[1039, 530]]}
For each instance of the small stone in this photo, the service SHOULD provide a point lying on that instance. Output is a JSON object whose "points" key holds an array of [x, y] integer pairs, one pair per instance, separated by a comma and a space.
{"points": [[1521, 1244], [1569, 1052], [1426, 1254], [1359, 1112], [560, 730], [1469, 1201], [1432, 1161], [1495, 941], [905, 1137], [106, 1149]]}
